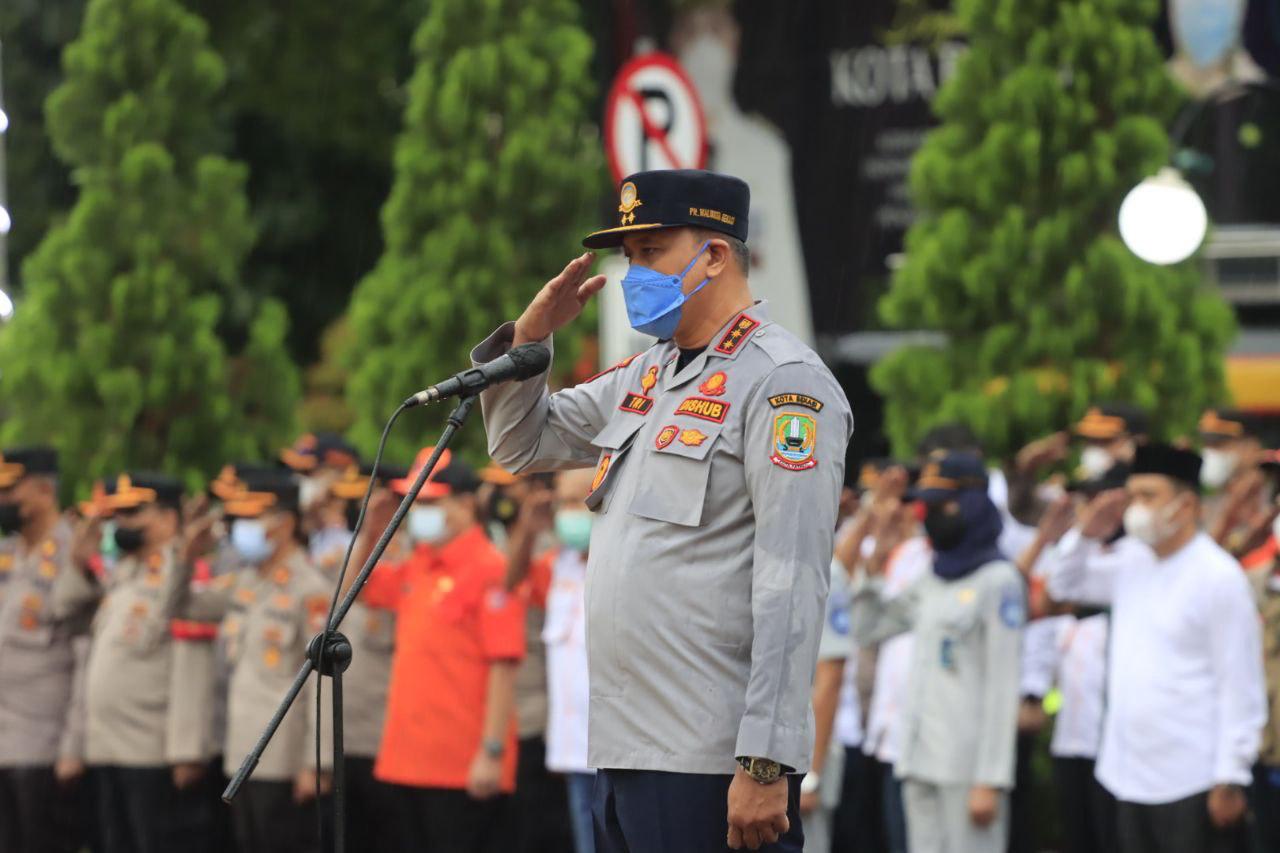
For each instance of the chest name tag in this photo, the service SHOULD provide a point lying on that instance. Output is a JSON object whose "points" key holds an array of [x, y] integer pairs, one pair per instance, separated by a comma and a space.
{"points": [[636, 404], [709, 410]]}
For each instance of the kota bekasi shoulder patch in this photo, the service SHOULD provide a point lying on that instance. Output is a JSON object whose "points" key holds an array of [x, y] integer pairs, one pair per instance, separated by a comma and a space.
{"points": [[1013, 606], [791, 399], [795, 437]]}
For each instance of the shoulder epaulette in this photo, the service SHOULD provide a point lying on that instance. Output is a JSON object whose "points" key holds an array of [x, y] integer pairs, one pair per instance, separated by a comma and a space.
{"points": [[626, 361]]}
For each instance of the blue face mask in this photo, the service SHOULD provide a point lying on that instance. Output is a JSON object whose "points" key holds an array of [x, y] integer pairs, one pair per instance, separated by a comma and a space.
{"points": [[573, 528], [654, 300]]}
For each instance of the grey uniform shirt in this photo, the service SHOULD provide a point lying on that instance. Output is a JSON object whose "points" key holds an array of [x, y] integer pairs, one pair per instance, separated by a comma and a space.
{"points": [[960, 715], [44, 605], [127, 689], [715, 498]]}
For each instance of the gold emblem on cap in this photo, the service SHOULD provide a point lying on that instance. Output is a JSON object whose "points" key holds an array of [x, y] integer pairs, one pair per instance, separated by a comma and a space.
{"points": [[629, 200]]}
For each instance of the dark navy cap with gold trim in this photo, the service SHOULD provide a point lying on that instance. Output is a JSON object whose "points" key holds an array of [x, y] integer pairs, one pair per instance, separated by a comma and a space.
{"points": [[18, 462], [677, 198], [949, 474], [138, 489]]}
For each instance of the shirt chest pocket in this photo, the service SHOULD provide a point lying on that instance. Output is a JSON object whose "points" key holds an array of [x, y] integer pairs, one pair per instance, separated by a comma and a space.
{"points": [[614, 441], [673, 485]]}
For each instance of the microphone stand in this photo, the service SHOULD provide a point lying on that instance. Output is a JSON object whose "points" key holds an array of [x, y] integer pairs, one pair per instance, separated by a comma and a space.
{"points": [[329, 652]]}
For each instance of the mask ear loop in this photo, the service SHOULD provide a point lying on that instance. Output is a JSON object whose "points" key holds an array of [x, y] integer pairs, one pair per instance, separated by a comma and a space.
{"points": [[705, 281]]}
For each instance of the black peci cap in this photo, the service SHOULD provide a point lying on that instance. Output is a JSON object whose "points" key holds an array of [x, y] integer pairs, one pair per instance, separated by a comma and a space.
{"points": [[677, 198], [1169, 461]]}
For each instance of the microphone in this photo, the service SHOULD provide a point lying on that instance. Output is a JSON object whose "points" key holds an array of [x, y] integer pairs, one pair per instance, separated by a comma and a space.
{"points": [[523, 362]]}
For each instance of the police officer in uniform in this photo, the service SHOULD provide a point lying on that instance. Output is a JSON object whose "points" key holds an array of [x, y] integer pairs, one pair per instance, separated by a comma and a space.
{"points": [[127, 684], [719, 456], [43, 619], [959, 722], [371, 803], [269, 610]]}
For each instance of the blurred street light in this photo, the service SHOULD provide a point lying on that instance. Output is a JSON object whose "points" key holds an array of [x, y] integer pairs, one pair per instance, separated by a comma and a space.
{"points": [[5, 221], [4, 121], [6, 306], [1162, 220]]}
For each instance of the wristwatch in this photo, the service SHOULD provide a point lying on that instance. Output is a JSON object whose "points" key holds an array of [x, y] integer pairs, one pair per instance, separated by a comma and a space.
{"points": [[493, 748], [761, 770]]}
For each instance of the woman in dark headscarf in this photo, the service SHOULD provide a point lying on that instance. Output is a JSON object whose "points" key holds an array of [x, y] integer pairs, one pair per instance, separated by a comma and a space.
{"points": [[960, 716]]}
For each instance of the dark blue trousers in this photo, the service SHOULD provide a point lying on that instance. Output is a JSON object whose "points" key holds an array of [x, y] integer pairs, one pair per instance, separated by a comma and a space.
{"points": [[648, 811]]}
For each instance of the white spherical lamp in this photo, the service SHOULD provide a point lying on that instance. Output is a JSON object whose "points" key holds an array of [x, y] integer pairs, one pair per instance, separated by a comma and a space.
{"points": [[1162, 220]]}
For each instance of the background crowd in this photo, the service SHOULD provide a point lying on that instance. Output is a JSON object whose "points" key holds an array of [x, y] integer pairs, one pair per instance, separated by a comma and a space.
{"points": [[148, 634]]}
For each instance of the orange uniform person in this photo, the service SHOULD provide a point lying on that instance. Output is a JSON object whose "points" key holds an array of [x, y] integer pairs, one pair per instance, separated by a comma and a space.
{"points": [[449, 740]]}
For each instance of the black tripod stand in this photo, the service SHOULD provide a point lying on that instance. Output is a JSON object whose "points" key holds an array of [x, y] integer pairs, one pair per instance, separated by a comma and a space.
{"points": [[329, 652]]}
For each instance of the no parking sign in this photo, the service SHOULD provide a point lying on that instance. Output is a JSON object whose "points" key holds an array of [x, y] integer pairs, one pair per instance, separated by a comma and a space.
{"points": [[653, 119]]}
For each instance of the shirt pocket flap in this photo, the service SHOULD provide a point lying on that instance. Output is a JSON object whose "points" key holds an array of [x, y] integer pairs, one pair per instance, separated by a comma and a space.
{"points": [[619, 432], [674, 488], [689, 442]]}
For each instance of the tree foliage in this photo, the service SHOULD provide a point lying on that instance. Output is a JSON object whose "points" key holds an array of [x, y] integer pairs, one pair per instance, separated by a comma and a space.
{"points": [[495, 174], [113, 353], [1056, 111]]}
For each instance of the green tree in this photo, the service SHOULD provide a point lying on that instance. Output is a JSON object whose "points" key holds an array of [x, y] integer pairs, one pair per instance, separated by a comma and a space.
{"points": [[496, 173], [113, 353], [1057, 110]]}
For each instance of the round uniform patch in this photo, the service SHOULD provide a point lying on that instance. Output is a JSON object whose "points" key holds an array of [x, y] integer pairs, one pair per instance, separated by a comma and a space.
{"points": [[839, 618], [1013, 606]]}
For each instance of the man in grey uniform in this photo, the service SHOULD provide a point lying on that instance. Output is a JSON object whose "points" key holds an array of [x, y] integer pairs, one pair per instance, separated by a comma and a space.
{"points": [[43, 623], [959, 723], [719, 455]]}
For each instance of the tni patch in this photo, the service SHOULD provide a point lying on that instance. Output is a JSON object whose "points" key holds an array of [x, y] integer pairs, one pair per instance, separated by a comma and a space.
{"points": [[780, 400], [742, 329], [795, 437], [709, 410], [636, 404]]}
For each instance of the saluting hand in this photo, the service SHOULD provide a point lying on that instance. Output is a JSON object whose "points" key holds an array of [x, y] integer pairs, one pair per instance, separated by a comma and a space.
{"points": [[560, 301], [1043, 452], [86, 542], [1101, 517], [198, 537], [1057, 519], [757, 813]]}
